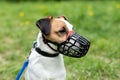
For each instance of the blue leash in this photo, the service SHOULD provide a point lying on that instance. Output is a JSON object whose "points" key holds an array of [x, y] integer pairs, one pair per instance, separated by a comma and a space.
{"points": [[22, 69], [26, 62]]}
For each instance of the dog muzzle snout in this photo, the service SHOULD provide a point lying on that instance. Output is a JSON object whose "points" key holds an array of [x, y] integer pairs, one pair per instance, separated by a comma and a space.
{"points": [[75, 46]]}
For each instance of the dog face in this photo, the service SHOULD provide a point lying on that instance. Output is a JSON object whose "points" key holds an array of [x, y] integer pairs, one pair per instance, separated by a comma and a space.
{"points": [[54, 29]]}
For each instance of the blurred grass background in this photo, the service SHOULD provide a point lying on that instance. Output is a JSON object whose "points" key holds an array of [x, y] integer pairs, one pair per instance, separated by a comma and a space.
{"points": [[99, 21]]}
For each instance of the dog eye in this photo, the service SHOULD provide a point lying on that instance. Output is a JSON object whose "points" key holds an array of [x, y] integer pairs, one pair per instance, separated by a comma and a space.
{"points": [[62, 30]]}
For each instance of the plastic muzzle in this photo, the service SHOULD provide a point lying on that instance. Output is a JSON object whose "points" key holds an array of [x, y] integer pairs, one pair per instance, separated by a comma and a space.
{"points": [[75, 46]]}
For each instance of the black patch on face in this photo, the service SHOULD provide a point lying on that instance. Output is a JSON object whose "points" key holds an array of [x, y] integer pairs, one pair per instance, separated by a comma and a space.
{"points": [[44, 25]]}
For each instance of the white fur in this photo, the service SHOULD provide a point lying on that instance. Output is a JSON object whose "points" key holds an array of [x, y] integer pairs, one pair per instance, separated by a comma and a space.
{"points": [[46, 68]]}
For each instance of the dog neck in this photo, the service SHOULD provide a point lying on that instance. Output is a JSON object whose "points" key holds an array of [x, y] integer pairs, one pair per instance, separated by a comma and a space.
{"points": [[44, 47]]}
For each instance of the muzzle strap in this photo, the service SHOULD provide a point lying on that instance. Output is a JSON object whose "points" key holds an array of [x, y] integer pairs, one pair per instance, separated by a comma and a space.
{"points": [[69, 33], [48, 41]]}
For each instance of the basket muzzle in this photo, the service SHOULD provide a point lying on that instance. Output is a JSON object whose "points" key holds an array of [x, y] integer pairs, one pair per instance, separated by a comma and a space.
{"points": [[75, 46]]}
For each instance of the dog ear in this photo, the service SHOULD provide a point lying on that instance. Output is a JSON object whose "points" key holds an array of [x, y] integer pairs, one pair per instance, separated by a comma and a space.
{"points": [[45, 25], [63, 17]]}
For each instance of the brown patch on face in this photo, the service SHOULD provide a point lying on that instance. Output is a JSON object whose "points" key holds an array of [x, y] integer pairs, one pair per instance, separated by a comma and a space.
{"points": [[62, 17], [58, 31]]}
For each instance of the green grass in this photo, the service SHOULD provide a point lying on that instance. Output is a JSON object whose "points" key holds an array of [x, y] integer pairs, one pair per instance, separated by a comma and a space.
{"points": [[97, 21]]}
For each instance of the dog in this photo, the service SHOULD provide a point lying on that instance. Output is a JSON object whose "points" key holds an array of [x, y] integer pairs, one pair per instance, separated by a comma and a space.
{"points": [[45, 63]]}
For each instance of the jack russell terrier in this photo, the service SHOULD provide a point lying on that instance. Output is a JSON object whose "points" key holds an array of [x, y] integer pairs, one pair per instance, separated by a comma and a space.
{"points": [[45, 63]]}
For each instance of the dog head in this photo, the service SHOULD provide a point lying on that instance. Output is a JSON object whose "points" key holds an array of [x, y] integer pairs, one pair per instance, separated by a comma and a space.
{"points": [[54, 29]]}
